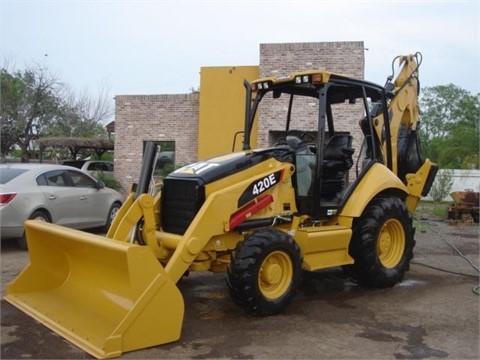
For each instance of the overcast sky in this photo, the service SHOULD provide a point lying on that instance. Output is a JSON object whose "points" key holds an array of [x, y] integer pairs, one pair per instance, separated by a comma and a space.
{"points": [[158, 47]]}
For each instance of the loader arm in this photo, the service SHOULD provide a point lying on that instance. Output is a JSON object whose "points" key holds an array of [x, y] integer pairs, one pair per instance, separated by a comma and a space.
{"points": [[136, 220]]}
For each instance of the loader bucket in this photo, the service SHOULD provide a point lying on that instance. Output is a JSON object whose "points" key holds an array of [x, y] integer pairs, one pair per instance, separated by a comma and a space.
{"points": [[105, 296]]}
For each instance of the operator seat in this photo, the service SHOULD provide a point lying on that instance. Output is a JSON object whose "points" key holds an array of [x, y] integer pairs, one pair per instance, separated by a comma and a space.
{"points": [[337, 160]]}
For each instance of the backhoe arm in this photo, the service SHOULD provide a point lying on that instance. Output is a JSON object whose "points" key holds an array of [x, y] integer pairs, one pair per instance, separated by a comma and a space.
{"points": [[404, 121], [403, 107], [403, 104]]}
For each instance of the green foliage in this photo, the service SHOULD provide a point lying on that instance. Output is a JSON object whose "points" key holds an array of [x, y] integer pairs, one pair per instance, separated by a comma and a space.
{"points": [[16, 153], [450, 126], [471, 161], [110, 182], [30, 103], [167, 169], [440, 210], [429, 210], [36, 104], [442, 185], [107, 156]]}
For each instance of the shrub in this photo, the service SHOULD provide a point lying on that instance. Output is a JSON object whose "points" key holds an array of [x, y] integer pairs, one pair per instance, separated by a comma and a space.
{"points": [[110, 182], [442, 185]]}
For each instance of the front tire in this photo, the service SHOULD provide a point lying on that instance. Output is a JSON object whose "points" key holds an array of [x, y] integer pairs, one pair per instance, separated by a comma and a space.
{"points": [[264, 272], [382, 244], [111, 215]]}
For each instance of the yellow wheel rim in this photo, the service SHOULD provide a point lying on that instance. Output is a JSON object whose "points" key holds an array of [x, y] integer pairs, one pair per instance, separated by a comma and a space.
{"points": [[391, 243], [275, 275]]}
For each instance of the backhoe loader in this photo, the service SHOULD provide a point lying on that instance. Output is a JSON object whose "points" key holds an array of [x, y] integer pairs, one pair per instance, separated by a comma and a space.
{"points": [[317, 197]]}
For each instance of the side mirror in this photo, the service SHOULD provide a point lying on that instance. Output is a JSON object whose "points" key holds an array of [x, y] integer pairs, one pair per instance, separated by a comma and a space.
{"points": [[100, 185]]}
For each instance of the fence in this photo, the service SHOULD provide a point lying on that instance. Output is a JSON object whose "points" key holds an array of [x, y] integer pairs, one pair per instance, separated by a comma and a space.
{"points": [[462, 180]]}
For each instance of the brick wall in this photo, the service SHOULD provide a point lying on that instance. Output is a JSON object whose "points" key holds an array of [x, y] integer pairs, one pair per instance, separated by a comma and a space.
{"points": [[153, 117], [341, 57], [282, 59], [175, 117]]}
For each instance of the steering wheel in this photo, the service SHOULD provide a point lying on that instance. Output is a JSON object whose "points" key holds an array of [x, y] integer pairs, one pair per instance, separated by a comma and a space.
{"points": [[295, 139], [306, 137]]}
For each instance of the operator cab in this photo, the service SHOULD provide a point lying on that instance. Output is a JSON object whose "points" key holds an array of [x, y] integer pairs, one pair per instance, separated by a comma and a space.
{"points": [[313, 103]]}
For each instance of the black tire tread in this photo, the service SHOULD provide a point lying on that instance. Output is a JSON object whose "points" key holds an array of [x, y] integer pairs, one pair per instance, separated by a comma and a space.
{"points": [[245, 264], [367, 269]]}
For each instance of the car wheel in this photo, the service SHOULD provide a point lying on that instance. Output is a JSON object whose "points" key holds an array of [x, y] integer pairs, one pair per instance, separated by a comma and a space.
{"points": [[111, 215], [36, 215]]}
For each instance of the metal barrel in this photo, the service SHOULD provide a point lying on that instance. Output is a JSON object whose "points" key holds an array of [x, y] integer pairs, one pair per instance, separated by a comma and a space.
{"points": [[105, 296]]}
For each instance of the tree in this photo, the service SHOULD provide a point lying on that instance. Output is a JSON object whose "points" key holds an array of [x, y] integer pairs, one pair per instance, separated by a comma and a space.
{"points": [[82, 115], [10, 93], [30, 103], [450, 126], [35, 104]]}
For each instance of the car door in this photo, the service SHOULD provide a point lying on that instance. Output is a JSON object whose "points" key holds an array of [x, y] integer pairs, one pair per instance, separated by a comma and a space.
{"points": [[92, 206], [68, 204], [63, 201]]}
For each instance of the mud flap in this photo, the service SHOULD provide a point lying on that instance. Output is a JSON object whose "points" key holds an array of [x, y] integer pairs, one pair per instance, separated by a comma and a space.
{"points": [[105, 296]]}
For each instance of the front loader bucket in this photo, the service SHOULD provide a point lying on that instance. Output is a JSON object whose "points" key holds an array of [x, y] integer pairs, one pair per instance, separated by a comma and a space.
{"points": [[105, 296]]}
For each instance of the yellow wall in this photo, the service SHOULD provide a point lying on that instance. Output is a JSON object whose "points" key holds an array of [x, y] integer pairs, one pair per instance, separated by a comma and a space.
{"points": [[222, 109]]}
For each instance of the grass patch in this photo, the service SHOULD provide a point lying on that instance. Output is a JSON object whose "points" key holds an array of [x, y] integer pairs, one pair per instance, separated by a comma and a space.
{"points": [[430, 210]]}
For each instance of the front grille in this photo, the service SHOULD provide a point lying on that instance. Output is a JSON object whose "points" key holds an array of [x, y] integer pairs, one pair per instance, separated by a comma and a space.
{"points": [[181, 200]]}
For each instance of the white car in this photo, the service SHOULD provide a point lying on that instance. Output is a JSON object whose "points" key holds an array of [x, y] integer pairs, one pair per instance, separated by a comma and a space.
{"points": [[59, 194], [94, 167]]}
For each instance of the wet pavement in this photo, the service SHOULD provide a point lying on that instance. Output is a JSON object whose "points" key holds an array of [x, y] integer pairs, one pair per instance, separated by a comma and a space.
{"points": [[432, 314]]}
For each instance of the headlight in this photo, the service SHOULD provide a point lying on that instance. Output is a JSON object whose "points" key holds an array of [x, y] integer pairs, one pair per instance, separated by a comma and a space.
{"points": [[263, 86], [302, 79]]}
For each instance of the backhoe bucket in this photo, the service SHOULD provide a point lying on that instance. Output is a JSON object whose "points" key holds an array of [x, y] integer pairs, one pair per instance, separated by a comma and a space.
{"points": [[105, 296]]}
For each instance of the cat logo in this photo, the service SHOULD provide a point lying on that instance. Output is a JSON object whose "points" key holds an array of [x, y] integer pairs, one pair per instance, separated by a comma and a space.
{"points": [[197, 168]]}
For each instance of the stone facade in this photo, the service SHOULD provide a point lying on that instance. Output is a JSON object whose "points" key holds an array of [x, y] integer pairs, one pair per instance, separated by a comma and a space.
{"points": [[175, 117]]}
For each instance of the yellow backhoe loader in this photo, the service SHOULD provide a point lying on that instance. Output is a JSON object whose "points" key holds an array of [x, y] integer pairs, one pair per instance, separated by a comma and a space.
{"points": [[319, 196]]}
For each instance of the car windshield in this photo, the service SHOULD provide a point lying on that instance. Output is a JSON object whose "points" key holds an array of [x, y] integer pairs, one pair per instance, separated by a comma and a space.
{"points": [[8, 174]]}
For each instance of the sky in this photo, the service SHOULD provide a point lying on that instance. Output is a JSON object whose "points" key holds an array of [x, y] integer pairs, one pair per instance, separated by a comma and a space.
{"points": [[158, 47]]}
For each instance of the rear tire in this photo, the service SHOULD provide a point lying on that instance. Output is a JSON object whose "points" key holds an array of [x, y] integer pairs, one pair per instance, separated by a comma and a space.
{"points": [[264, 272], [382, 244], [36, 215]]}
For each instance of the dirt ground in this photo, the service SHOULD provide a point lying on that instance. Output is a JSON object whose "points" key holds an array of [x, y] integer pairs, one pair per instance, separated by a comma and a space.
{"points": [[432, 314]]}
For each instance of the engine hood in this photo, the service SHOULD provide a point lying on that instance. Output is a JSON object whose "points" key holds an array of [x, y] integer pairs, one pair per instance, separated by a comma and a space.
{"points": [[225, 165]]}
